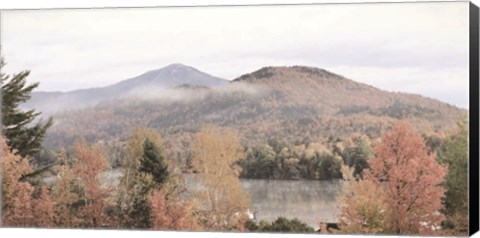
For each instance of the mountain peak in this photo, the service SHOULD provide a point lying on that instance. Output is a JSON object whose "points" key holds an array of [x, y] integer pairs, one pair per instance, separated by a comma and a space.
{"points": [[175, 68], [271, 71], [171, 76], [177, 65], [315, 71]]}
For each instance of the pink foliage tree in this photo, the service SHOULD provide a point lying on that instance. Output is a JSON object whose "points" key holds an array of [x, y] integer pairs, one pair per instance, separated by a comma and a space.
{"points": [[411, 180]]}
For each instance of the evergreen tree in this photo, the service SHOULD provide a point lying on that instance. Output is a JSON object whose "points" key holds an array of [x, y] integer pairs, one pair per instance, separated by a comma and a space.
{"points": [[152, 173], [139, 178], [153, 163], [17, 124], [357, 157], [454, 154], [138, 215]]}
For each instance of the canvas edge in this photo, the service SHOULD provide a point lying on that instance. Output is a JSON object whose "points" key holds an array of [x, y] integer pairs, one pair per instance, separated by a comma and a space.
{"points": [[474, 120]]}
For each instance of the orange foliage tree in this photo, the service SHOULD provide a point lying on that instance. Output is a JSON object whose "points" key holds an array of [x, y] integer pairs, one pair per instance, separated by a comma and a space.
{"points": [[16, 195], [79, 195], [19, 207], [170, 212], [411, 179], [88, 167], [66, 194], [365, 211], [43, 209]]}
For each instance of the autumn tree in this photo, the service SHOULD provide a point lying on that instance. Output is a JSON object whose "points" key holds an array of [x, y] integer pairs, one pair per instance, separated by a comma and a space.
{"points": [[16, 195], [89, 164], [224, 202], [411, 179], [171, 212], [454, 154], [43, 209], [22, 137], [138, 181], [363, 207], [170, 206], [66, 193]]}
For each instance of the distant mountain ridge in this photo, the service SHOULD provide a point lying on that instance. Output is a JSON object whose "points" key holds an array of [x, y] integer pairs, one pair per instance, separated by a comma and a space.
{"points": [[167, 77], [291, 103]]}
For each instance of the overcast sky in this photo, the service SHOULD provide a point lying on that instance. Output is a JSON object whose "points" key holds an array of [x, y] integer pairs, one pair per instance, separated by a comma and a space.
{"points": [[415, 47]]}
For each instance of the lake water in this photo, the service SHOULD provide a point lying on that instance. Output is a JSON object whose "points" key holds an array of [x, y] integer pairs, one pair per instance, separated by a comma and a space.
{"points": [[310, 201]]}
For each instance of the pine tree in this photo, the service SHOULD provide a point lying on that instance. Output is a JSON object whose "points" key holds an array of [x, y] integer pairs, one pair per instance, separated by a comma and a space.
{"points": [[454, 154], [17, 124], [153, 163], [138, 179], [357, 156], [137, 212]]}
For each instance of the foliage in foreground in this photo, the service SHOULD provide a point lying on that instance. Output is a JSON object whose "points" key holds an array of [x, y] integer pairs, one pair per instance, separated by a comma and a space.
{"points": [[363, 212], [454, 154], [408, 180], [143, 171], [281, 224], [222, 201], [401, 184]]}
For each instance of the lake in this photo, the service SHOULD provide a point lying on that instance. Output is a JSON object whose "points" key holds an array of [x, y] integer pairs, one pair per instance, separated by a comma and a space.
{"points": [[310, 201]]}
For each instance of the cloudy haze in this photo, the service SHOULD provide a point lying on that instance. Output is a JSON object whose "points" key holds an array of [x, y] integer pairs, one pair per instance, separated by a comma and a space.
{"points": [[416, 47]]}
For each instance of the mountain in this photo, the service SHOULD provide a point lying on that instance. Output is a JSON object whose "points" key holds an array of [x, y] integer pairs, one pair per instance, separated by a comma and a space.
{"points": [[155, 81], [339, 95], [171, 76], [285, 103]]}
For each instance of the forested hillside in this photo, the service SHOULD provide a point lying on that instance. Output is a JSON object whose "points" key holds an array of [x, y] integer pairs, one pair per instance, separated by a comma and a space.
{"points": [[296, 105]]}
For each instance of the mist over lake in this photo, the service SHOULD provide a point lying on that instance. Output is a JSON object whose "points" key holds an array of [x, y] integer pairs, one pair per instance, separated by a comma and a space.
{"points": [[310, 201]]}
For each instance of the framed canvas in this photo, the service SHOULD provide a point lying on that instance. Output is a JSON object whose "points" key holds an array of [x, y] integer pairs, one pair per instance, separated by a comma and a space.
{"points": [[341, 119]]}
